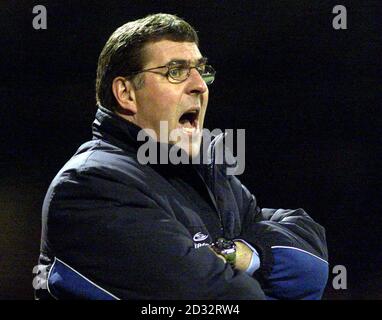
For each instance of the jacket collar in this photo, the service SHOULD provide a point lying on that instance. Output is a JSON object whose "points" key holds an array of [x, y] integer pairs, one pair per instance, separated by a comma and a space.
{"points": [[122, 133], [110, 127]]}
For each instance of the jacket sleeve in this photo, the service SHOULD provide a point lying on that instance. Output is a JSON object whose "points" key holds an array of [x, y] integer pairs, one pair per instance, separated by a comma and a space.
{"points": [[102, 245], [292, 247]]}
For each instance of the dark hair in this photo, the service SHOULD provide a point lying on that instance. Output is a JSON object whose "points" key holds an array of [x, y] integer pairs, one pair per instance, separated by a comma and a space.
{"points": [[123, 52]]}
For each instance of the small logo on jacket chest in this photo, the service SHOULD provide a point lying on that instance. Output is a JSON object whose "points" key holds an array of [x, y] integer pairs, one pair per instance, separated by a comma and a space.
{"points": [[200, 237]]}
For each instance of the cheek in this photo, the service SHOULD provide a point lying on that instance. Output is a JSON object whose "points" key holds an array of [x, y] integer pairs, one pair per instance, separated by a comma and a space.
{"points": [[156, 102], [204, 109], [167, 104], [205, 99]]}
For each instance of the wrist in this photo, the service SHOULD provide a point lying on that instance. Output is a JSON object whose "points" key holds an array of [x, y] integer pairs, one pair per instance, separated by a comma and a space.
{"points": [[248, 259], [243, 256]]}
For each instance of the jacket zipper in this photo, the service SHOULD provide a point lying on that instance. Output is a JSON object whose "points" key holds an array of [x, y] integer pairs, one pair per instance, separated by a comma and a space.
{"points": [[211, 194]]}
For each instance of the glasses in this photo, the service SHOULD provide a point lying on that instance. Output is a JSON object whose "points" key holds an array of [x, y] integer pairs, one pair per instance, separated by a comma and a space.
{"points": [[179, 72]]}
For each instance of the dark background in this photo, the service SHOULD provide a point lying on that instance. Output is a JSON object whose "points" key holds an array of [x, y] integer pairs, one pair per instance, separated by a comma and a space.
{"points": [[307, 95]]}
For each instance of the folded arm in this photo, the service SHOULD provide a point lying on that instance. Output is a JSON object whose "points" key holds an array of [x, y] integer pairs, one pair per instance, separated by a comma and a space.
{"points": [[292, 249], [131, 247]]}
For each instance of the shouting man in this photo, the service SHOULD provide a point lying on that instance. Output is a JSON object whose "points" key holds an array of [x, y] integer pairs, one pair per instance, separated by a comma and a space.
{"points": [[117, 228]]}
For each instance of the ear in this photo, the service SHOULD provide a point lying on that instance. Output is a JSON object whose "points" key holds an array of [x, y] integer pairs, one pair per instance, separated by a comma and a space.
{"points": [[124, 93]]}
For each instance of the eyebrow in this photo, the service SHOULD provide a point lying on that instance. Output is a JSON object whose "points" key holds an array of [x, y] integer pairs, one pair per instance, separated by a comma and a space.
{"points": [[183, 61]]}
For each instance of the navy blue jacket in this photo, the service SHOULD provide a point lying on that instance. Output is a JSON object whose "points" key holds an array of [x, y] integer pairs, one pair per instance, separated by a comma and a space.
{"points": [[116, 229]]}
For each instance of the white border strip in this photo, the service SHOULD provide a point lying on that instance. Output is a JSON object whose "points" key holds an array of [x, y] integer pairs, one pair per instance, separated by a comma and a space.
{"points": [[47, 280], [96, 285], [286, 247]]}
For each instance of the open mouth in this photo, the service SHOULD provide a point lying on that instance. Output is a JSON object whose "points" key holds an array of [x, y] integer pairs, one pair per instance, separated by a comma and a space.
{"points": [[189, 120]]}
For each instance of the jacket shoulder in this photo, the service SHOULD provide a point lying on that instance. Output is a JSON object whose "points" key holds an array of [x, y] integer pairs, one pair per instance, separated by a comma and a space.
{"points": [[100, 158]]}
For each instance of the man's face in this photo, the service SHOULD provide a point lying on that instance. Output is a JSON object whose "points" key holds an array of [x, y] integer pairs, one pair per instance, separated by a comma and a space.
{"points": [[181, 105]]}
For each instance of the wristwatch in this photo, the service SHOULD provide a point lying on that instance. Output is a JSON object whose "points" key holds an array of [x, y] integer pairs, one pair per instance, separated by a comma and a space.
{"points": [[226, 248]]}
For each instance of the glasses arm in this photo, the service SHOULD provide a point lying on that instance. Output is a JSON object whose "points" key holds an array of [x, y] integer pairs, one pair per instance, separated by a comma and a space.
{"points": [[150, 69]]}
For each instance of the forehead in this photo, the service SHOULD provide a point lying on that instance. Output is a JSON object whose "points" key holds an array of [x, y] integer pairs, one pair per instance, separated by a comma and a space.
{"points": [[163, 51]]}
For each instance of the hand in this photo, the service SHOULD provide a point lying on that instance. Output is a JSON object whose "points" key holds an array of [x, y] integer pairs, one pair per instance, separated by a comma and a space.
{"points": [[243, 256], [218, 255]]}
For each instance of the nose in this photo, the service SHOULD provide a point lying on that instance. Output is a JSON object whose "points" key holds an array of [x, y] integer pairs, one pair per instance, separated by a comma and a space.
{"points": [[195, 83]]}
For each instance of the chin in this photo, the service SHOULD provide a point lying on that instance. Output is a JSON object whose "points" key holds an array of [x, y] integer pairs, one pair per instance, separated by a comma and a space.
{"points": [[191, 150], [189, 142], [194, 149]]}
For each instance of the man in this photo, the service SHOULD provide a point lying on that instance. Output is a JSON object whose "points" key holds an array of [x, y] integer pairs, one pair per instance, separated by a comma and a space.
{"points": [[114, 228]]}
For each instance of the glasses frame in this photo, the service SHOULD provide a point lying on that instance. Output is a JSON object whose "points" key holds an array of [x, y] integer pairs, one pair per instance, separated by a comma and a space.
{"points": [[174, 64]]}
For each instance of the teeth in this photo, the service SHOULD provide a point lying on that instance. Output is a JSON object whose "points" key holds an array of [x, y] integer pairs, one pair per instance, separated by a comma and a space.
{"points": [[190, 130]]}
